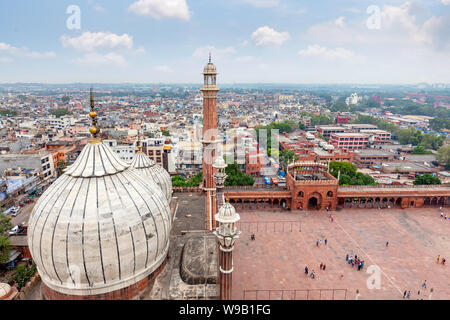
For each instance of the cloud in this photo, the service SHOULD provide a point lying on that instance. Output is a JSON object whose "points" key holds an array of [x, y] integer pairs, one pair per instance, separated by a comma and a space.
{"points": [[262, 3], [216, 53], [99, 8], [158, 9], [446, 2], [163, 68], [9, 52], [5, 60], [399, 28], [98, 60], [435, 31], [245, 59], [316, 50], [340, 22], [93, 41], [266, 36], [352, 10]]}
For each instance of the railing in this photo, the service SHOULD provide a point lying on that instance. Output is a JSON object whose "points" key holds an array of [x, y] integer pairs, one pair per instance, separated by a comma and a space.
{"points": [[333, 182], [269, 226], [304, 294], [187, 189], [432, 186], [259, 186]]}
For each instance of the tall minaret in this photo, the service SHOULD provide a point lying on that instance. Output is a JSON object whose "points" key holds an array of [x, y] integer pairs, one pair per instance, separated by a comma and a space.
{"points": [[226, 234], [209, 92]]}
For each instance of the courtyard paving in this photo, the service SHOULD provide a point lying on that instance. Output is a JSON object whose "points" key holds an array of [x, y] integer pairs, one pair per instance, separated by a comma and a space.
{"points": [[272, 266]]}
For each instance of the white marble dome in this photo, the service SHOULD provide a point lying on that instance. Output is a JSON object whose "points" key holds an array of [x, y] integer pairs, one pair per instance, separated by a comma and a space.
{"points": [[210, 68], [100, 227], [4, 289], [143, 164]]}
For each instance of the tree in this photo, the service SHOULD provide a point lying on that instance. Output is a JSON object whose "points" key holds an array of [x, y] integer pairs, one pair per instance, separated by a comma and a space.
{"points": [[443, 155], [287, 157], [195, 181], [235, 177], [59, 112], [427, 179], [421, 150], [23, 274], [61, 166], [5, 244], [65, 99], [321, 120], [437, 124], [301, 126], [343, 167], [349, 175], [8, 112], [165, 133]]}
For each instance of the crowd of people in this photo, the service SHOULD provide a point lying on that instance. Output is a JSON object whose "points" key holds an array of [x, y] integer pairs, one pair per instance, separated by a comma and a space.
{"points": [[355, 261]]}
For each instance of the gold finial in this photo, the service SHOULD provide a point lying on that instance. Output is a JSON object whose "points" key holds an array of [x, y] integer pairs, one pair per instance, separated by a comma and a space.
{"points": [[138, 143], [210, 57], [93, 130]]}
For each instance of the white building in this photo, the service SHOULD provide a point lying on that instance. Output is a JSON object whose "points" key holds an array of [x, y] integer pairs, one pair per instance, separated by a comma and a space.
{"points": [[353, 99], [124, 152]]}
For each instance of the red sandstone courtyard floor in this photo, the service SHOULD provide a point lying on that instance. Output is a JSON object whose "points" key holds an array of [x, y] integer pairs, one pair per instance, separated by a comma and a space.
{"points": [[276, 260]]}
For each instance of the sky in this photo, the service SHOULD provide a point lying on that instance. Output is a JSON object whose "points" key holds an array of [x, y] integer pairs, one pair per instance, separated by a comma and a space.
{"points": [[251, 41]]}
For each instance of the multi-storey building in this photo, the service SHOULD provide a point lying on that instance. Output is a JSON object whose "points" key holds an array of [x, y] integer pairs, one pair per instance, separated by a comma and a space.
{"points": [[327, 131], [124, 152], [378, 136], [369, 157], [350, 141], [254, 162], [357, 127]]}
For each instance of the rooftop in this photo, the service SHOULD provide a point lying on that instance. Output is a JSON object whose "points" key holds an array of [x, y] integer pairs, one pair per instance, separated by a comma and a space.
{"points": [[350, 135]]}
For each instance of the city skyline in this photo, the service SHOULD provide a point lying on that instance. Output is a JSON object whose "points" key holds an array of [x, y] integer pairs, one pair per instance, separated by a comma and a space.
{"points": [[251, 41]]}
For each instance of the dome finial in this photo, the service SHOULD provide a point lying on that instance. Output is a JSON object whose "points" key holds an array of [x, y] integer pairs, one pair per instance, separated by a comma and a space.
{"points": [[93, 130], [210, 57], [138, 144]]}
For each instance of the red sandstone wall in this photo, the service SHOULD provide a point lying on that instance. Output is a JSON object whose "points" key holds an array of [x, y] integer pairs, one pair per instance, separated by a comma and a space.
{"points": [[127, 293]]}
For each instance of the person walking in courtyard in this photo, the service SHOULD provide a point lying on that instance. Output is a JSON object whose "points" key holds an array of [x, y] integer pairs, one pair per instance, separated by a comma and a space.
{"points": [[317, 243], [387, 244], [346, 257], [424, 284], [438, 257], [321, 265], [326, 241], [306, 270], [443, 261], [404, 294], [324, 266], [362, 264], [408, 295]]}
